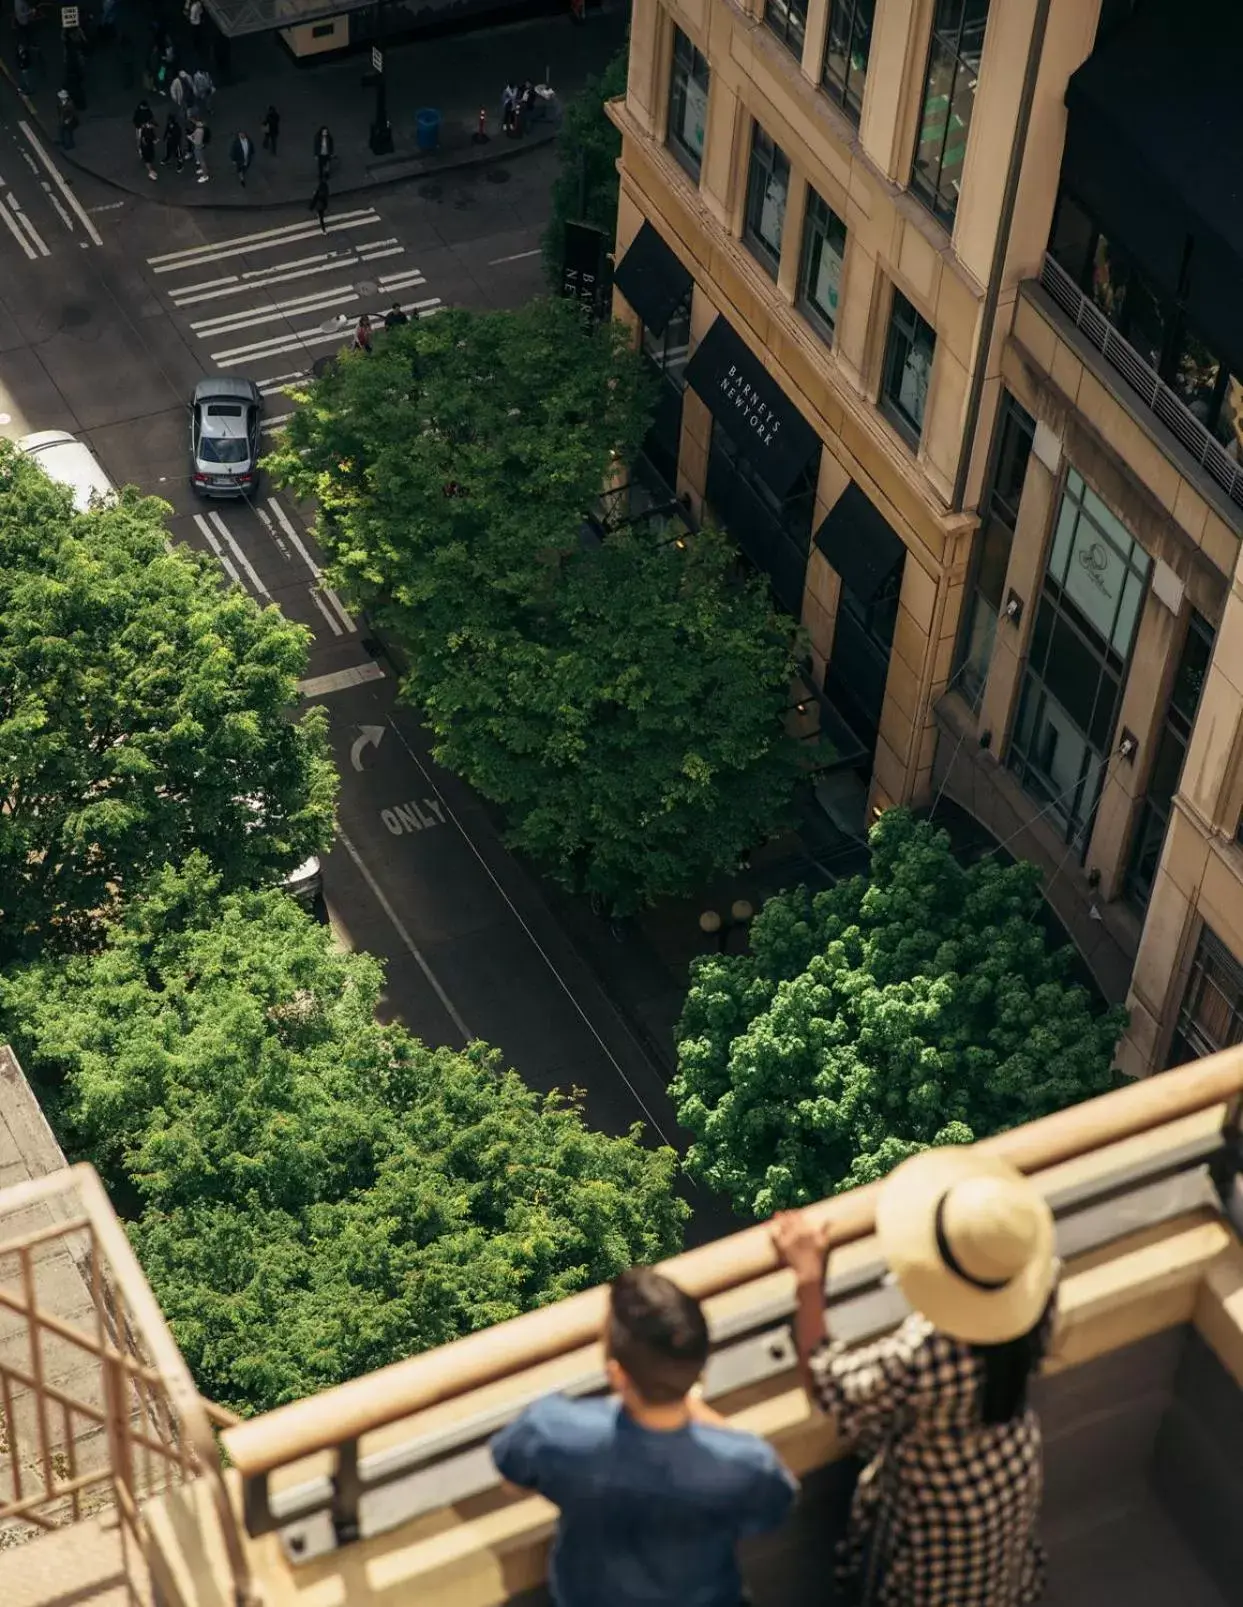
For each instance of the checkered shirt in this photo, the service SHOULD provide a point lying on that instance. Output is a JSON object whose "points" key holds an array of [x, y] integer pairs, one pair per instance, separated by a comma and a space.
{"points": [[945, 1512]]}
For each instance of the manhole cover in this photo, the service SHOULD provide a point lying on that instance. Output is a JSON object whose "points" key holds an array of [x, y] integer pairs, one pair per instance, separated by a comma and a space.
{"points": [[74, 315], [366, 287], [498, 175], [432, 192]]}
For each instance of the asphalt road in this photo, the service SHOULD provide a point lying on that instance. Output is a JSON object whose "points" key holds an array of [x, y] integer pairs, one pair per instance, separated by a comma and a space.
{"points": [[111, 308]]}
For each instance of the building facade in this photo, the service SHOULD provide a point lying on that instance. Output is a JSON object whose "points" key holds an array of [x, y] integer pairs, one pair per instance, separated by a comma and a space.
{"points": [[945, 321]]}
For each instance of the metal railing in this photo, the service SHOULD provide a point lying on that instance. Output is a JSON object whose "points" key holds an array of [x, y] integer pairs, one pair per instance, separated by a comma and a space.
{"points": [[101, 1410], [1155, 394]]}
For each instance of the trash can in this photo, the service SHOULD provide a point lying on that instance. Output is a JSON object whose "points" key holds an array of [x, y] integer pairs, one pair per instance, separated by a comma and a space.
{"points": [[427, 128]]}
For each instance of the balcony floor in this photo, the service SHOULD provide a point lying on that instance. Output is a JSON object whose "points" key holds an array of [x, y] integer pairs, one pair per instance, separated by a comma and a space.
{"points": [[1137, 1557]]}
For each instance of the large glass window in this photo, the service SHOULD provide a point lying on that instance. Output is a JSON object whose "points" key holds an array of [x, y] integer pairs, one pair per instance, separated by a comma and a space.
{"points": [[949, 100], [1081, 644], [788, 20], [908, 367], [824, 247], [688, 104], [667, 353], [1167, 764], [773, 531], [1152, 322], [1012, 446], [846, 46], [1212, 1014], [768, 188]]}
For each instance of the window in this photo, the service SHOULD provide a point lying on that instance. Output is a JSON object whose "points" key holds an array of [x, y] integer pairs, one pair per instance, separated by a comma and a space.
{"points": [[768, 186], [788, 20], [668, 352], [1081, 645], [688, 104], [1011, 449], [1212, 1014], [1167, 765], [1152, 322], [846, 46], [908, 365], [824, 246], [773, 531], [949, 99]]}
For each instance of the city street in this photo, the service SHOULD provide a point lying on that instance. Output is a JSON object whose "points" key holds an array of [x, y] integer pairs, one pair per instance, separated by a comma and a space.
{"points": [[111, 308]]}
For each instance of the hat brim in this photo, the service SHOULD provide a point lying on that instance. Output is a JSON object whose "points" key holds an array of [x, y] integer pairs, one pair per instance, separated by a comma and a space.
{"points": [[906, 1228]]}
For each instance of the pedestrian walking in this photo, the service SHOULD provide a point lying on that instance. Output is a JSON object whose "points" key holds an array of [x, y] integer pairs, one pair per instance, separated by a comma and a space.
{"points": [[177, 95], [146, 148], [655, 1488], [25, 81], [66, 119], [174, 142], [319, 203], [200, 137], [242, 154], [395, 317], [945, 1514], [194, 15], [271, 129], [362, 335], [203, 88], [509, 106], [142, 115], [324, 148]]}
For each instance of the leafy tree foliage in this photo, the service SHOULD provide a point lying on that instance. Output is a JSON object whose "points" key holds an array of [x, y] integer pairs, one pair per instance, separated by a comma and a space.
{"points": [[314, 1194], [622, 702], [587, 186], [921, 1005], [140, 707]]}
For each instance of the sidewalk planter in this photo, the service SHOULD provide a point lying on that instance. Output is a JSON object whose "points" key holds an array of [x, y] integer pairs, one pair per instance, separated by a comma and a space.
{"points": [[427, 128]]}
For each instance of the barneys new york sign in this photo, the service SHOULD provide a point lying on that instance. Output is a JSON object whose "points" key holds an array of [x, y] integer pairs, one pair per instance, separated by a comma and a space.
{"points": [[759, 416]]}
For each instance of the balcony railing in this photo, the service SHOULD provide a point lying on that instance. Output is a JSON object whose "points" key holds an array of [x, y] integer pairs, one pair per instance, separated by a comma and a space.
{"points": [[1155, 394]]}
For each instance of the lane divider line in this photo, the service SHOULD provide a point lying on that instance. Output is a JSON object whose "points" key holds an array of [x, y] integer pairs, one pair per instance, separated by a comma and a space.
{"points": [[11, 225], [299, 546], [319, 602], [226, 562], [57, 178], [243, 561]]}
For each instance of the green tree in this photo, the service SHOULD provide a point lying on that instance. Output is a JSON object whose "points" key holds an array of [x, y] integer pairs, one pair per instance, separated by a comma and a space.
{"points": [[622, 702], [587, 185], [314, 1194], [920, 1005], [144, 712]]}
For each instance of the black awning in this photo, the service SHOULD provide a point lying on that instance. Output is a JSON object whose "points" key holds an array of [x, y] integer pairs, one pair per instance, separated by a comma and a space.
{"points": [[1153, 146], [860, 544], [751, 407], [652, 279]]}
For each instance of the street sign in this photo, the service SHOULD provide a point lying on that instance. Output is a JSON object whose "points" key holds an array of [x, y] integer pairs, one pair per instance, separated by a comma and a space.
{"points": [[377, 59], [68, 17]]}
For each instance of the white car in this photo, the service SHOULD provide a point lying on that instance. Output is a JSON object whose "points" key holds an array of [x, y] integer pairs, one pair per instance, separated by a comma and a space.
{"points": [[64, 458], [225, 417]]}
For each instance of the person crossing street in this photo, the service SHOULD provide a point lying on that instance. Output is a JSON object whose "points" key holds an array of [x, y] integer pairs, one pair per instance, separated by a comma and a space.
{"points": [[319, 203], [242, 154]]}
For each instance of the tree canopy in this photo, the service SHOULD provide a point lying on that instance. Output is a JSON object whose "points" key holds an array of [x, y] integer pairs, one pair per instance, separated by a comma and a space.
{"points": [[314, 1194], [920, 1005], [622, 701], [587, 185], [144, 713]]}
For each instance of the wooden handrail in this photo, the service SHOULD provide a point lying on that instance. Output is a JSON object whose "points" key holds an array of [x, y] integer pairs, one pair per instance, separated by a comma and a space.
{"points": [[320, 1422]]}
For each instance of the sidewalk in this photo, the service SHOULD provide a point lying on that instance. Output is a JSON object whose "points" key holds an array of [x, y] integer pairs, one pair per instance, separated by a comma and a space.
{"points": [[456, 75]]}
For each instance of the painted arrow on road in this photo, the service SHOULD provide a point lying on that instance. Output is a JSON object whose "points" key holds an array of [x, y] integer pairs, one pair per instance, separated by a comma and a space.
{"points": [[370, 737]]}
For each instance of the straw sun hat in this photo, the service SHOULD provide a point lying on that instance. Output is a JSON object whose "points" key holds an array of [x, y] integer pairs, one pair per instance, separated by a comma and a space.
{"points": [[970, 1241]]}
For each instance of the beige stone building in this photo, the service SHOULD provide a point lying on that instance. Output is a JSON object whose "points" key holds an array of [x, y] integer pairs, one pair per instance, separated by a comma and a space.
{"points": [[949, 328]]}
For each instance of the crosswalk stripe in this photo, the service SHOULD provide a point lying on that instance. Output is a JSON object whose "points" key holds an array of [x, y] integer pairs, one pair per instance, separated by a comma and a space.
{"points": [[274, 383], [235, 284], [277, 422], [262, 240], [338, 680], [305, 338], [246, 317]]}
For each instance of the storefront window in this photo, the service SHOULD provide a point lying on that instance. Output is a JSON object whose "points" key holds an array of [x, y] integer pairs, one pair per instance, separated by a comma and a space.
{"points": [[1081, 643], [773, 531], [1211, 1018], [908, 368], [668, 351], [688, 104], [1013, 444], [824, 246], [949, 100], [788, 20], [768, 188], [847, 42], [1167, 764]]}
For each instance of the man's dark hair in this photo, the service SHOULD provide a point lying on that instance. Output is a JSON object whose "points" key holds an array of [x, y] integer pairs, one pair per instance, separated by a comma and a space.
{"points": [[657, 1335]]}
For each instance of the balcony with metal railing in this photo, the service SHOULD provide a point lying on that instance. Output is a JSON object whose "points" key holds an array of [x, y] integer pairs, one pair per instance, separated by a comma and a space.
{"points": [[1148, 390], [382, 1491]]}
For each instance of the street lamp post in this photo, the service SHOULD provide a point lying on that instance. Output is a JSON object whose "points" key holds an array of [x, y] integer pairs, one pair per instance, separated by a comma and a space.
{"points": [[713, 924]]}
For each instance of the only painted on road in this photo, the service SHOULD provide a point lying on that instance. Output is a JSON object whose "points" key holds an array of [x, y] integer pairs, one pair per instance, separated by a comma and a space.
{"points": [[417, 815]]}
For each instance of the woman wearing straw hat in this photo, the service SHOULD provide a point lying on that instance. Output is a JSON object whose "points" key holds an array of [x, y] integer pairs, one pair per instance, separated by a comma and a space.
{"points": [[945, 1513]]}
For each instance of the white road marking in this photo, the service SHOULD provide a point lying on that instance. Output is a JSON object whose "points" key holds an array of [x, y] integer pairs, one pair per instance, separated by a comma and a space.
{"points": [[262, 240], [413, 948], [54, 173], [268, 387], [339, 680], [278, 421], [226, 562], [319, 602], [36, 239], [234, 284], [56, 206], [248, 317], [266, 520], [243, 561], [518, 256], [17, 234], [302, 339], [300, 548], [402, 281]]}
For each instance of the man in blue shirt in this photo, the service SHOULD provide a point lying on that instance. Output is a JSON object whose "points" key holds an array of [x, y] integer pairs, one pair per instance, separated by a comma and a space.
{"points": [[655, 1490]]}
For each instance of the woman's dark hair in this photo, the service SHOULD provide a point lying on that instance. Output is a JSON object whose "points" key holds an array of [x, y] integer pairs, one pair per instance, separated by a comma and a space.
{"points": [[1008, 1367]]}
